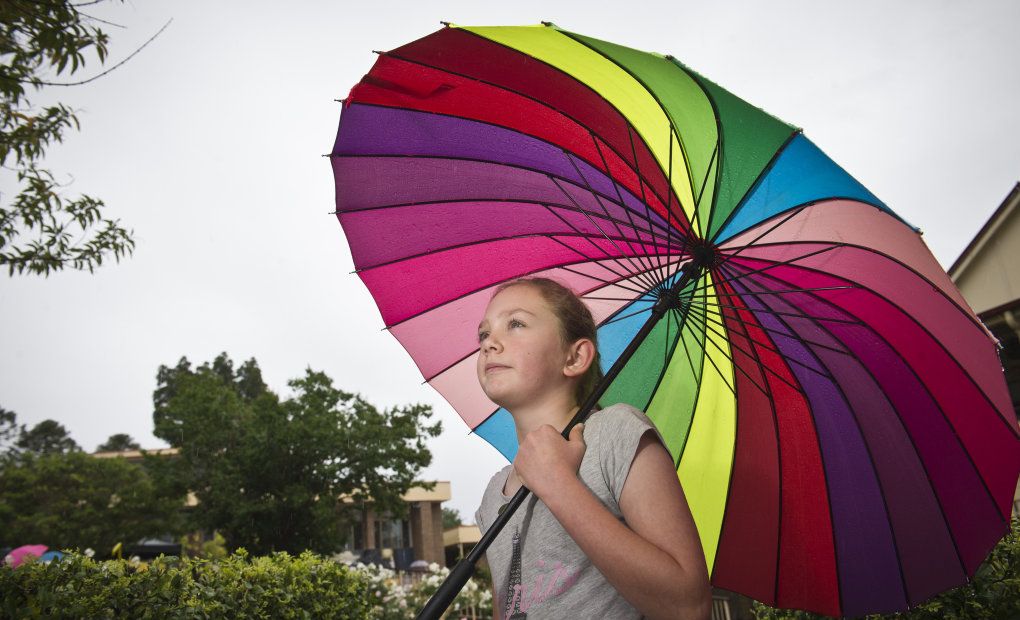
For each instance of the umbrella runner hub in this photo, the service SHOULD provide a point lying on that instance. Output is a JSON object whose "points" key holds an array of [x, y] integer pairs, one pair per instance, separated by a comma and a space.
{"points": [[704, 254]]}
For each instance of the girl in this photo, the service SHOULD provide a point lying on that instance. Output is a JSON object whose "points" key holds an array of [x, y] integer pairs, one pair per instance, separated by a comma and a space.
{"points": [[607, 532]]}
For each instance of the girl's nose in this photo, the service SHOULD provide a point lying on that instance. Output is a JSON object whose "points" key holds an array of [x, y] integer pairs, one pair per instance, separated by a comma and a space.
{"points": [[491, 343]]}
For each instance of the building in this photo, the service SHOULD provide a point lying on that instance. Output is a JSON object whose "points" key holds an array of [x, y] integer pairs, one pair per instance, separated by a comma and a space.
{"points": [[458, 542], [418, 536], [988, 275]]}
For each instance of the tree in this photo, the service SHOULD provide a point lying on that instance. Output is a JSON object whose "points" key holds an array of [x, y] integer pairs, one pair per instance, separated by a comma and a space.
{"points": [[47, 437], [9, 431], [451, 518], [40, 229], [278, 475], [118, 443], [67, 500]]}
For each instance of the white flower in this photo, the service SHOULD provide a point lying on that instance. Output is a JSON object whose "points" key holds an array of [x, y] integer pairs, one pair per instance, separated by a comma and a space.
{"points": [[90, 552]]}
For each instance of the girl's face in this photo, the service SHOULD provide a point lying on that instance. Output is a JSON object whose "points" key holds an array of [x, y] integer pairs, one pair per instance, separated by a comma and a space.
{"points": [[522, 356]]}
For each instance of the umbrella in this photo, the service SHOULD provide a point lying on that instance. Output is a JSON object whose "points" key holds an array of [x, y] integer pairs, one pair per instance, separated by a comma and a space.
{"points": [[836, 411], [21, 554]]}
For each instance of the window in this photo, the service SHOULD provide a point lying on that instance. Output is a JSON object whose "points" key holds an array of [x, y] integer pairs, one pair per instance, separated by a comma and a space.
{"points": [[392, 533]]}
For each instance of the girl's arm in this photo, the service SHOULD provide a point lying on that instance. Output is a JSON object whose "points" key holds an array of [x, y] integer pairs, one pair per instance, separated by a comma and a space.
{"points": [[655, 561]]}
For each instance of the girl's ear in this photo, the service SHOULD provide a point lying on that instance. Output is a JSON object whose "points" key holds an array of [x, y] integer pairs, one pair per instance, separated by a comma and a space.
{"points": [[579, 357]]}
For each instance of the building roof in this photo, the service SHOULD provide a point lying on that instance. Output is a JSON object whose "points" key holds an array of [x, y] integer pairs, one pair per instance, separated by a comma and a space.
{"points": [[986, 271], [463, 534], [987, 232]]}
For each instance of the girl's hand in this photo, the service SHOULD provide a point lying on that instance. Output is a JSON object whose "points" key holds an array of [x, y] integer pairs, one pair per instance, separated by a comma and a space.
{"points": [[545, 461]]}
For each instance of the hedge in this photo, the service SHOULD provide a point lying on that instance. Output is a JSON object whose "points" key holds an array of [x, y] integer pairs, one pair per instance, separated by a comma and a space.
{"points": [[274, 586]]}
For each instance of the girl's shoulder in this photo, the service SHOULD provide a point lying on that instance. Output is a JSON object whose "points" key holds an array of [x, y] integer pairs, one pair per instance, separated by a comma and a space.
{"points": [[618, 419]]}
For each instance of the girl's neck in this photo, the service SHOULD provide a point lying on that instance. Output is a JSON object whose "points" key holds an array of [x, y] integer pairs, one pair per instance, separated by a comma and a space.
{"points": [[556, 413]]}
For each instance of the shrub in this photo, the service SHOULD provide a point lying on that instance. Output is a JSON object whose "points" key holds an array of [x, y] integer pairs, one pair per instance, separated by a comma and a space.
{"points": [[276, 586], [393, 600]]}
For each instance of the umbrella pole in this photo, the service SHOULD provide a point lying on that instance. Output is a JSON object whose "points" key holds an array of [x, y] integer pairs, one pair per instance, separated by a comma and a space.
{"points": [[460, 574]]}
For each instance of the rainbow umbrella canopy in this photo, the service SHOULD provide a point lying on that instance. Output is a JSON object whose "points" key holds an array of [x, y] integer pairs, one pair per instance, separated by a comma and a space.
{"points": [[837, 413]]}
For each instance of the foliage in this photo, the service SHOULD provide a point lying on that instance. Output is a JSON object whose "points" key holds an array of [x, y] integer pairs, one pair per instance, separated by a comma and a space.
{"points": [[194, 546], [277, 586], [76, 500], [46, 437], [9, 431], [40, 229], [118, 442], [392, 599], [269, 474], [451, 518], [993, 592]]}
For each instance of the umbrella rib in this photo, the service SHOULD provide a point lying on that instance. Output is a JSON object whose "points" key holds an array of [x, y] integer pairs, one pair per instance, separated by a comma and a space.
{"points": [[704, 182], [769, 329], [607, 283], [949, 425], [770, 398], [624, 268], [867, 447], [775, 312], [644, 199], [525, 274], [669, 119], [616, 187], [861, 287], [761, 175], [789, 261], [595, 195], [727, 256], [623, 276], [616, 319], [922, 383], [419, 203], [709, 357], [697, 394], [520, 94], [669, 201], [620, 197], [702, 317], [828, 497], [733, 359], [536, 171], [548, 235], [855, 246], [793, 290]]}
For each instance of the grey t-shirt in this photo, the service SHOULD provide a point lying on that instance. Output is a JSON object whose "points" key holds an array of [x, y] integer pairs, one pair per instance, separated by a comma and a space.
{"points": [[537, 568]]}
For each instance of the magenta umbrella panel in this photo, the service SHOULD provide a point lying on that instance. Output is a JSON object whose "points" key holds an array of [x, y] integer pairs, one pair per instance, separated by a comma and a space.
{"points": [[836, 412]]}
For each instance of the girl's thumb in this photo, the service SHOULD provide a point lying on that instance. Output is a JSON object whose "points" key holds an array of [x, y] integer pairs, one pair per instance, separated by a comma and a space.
{"points": [[577, 433]]}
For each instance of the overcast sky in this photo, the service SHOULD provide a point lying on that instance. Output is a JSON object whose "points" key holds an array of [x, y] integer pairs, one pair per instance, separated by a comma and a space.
{"points": [[208, 145]]}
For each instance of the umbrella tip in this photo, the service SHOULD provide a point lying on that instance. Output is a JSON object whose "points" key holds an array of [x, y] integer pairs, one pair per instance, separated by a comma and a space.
{"points": [[550, 24], [447, 24], [377, 52], [340, 100]]}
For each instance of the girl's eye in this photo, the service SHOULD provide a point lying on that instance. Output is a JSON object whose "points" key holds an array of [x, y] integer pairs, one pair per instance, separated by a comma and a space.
{"points": [[516, 323], [482, 336]]}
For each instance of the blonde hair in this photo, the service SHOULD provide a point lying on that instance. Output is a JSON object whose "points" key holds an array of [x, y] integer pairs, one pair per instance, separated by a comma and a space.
{"points": [[576, 322]]}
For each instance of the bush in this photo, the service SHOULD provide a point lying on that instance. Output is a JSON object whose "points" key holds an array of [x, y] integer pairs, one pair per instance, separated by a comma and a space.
{"points": [[276, 586], [393, 600]]}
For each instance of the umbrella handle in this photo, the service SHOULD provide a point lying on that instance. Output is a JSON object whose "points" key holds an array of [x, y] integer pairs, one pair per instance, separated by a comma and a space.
{"points": [[460, 574]]}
